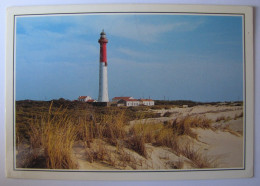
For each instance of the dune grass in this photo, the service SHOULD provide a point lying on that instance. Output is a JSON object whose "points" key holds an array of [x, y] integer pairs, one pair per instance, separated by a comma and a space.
{"points": [[55, 130], [55, 134], [198, 159], [183, 126], [166, 134]]}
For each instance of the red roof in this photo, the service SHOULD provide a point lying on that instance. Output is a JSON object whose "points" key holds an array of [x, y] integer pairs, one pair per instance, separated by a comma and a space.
{"points": [[131, 99], [91, 100], [82, 97], [124, 98]]}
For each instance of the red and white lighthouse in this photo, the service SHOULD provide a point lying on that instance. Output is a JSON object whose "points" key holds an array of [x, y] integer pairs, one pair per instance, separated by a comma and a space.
{"points": [[103, 86]]}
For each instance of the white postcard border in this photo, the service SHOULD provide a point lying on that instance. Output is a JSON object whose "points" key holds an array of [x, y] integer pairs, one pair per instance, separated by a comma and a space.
{"points": [[132, 175]]}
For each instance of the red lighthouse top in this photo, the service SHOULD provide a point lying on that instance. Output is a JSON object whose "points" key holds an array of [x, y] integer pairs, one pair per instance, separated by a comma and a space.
{"points": [[103, 49]]}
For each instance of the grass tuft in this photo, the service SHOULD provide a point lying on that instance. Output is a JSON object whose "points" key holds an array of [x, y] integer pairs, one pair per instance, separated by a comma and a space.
{"points": [[198, 160], [55, 134], [137, 143]]}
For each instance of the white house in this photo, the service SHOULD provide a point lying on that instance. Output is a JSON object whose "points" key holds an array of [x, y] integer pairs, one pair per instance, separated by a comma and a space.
{"points": [[86, 99], [116, 99], [129, 102], [147, 102]]}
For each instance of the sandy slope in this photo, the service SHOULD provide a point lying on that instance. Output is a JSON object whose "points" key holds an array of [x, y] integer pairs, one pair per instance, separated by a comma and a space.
{"points": [[157, 158], [227, 148], [211, 112]]}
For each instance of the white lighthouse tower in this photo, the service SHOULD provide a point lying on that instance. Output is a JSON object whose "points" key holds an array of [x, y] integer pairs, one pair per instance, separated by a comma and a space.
{"points": [[103, 86]]}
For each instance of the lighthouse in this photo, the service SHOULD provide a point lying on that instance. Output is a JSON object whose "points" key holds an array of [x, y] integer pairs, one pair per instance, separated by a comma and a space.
{"points": [[103, 86]]}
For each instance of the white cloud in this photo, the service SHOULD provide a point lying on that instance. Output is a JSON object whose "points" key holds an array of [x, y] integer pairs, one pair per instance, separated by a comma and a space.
{"points": [[132, 26], [148, 32], [140, 32]]}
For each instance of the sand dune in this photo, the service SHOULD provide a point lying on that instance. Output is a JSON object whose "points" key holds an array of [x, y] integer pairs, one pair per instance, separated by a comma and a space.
{"points": [[207, 136], [222, 146]]}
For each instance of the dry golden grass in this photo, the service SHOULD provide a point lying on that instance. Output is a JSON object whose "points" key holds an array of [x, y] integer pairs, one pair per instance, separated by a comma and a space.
{"points": [[183, 126], [112, 126], [56, 130], [116, 157], [166, 137], [228, 129], [223, 118], [55, 134], [166, 134], [136, 142], [87, 130], [126, 159], [199, 160], [158, 134], [100, 153]]}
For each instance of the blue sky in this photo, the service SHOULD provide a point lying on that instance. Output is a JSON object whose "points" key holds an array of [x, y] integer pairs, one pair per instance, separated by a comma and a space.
{"points": [[175, 57]]}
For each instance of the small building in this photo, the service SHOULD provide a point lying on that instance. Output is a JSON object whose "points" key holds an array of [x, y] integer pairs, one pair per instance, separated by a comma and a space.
{"points": [[86, 99], [116, 99], [129, 102], [147, 102]]}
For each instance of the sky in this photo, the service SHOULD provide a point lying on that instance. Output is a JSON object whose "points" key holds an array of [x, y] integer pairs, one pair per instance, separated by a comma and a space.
{"points": [[158, 56]]}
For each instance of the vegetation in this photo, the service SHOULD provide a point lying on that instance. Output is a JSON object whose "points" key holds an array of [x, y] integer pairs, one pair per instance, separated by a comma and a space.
{"points": [[198, 160], [178, 103], [49, 130], [55, 134], [190, 103]]}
